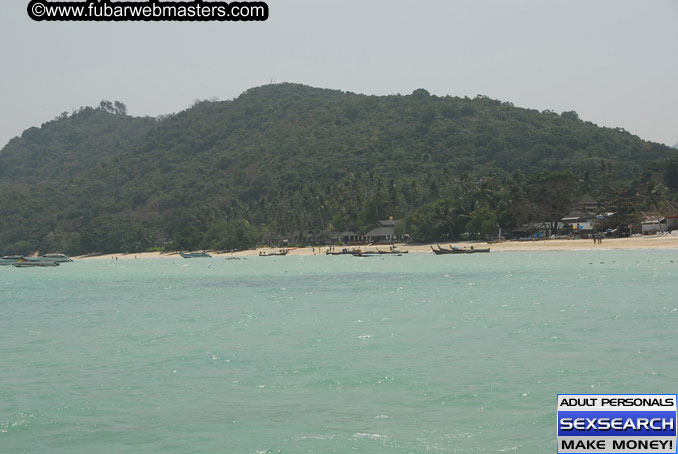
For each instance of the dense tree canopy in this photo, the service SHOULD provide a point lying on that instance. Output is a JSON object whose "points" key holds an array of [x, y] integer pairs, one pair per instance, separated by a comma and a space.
{"points": [[70, 144], [295, 162]]}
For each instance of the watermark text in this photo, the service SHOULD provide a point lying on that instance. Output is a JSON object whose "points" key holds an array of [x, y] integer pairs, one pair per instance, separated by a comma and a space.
{"points": [[151, 10]]}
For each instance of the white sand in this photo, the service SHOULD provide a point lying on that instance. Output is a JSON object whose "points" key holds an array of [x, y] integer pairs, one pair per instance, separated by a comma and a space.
{"points": [[645, 242]]}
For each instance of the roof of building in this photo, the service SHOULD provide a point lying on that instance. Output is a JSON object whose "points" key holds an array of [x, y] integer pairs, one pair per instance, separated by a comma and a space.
{"points": [[650, 215], [381, 231], [577, 215]]}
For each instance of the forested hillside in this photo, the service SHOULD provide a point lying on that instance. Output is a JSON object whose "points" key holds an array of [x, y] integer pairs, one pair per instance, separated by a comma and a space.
{"points": [[294, 161], [70, 144]]}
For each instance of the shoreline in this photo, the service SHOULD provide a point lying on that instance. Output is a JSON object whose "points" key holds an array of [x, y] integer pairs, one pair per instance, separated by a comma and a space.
{"points": [[646, 242]]}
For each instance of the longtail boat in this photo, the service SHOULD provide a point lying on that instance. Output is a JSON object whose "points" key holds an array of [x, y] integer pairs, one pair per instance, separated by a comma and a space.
{"points": [[458, 250], [344, 251], [394, 251]]}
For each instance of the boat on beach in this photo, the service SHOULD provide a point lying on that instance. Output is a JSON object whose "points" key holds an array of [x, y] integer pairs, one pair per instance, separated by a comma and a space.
{"points": [[194, 255]]}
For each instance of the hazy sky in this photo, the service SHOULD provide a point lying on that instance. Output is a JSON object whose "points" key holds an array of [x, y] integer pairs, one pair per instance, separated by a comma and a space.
{"points": [[615, 62]]}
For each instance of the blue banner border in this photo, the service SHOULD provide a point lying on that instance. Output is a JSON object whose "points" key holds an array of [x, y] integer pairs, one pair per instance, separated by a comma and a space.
{"points": [[610, 394]]}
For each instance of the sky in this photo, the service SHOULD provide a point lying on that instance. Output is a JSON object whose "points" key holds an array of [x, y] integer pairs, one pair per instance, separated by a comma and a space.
{"points": [[615, 62]]}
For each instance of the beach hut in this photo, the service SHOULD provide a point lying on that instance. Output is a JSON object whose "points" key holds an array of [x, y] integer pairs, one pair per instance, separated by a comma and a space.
{"points": [[384, 232], [580, 222], [347, 237]]}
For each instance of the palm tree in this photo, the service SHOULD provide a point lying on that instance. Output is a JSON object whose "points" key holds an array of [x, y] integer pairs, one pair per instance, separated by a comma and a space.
{"points": [[655, 197], [484, 191], [463, 181]]}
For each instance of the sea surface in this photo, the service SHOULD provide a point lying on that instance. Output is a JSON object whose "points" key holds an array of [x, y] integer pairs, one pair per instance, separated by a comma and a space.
{"points": [[317, 354]]}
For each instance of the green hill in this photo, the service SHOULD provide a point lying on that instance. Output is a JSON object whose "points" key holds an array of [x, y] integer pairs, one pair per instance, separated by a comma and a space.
{"points": [[70, 144], [287, 158]]}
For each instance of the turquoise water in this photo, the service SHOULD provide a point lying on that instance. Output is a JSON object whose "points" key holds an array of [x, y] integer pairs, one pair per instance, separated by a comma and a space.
{"points": [[411, 354]]}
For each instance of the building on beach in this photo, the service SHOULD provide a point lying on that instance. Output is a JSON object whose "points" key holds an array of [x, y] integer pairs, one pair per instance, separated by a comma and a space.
{"points": [[653, 223], [384, 232], [581, 222], [347, 237]]}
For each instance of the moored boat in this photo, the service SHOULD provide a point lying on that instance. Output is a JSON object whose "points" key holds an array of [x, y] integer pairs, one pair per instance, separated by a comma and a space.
{"points": [[442, 250], [364, 254], [375, 254], [394, 250], [49, 258], [194, 255], [10, 259], [344, 251], [54, 257], [271, 254], [470, 250], [361, 253], [458, 250], [33, 264]]}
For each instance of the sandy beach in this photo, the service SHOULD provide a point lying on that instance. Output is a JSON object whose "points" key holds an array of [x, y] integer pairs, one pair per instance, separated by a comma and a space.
{"points": [[644, 242]]}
